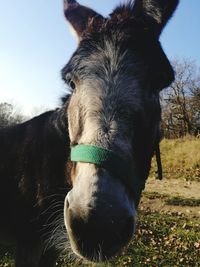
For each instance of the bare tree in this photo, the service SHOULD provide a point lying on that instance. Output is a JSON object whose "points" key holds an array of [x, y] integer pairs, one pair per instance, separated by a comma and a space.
{"points": [[9, 115], [181, 101]]}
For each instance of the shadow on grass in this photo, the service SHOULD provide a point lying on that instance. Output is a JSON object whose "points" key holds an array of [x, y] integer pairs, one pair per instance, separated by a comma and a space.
{"points": [[179, 201]]}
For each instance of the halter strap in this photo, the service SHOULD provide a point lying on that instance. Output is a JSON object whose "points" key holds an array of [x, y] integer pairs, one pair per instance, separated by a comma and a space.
{"points": [[114, 163], [159, 163]]}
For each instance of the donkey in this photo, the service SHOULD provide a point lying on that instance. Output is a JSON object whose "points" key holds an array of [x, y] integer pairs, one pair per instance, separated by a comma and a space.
{"points": [[92, 155]]}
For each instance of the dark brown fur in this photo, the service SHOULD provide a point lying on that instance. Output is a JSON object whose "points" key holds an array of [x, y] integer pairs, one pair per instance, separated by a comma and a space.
{"points": [[33, 161]]}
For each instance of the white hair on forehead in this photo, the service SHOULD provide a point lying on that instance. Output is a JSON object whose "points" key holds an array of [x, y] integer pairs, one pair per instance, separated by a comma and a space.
{"points": [[110, 87]]}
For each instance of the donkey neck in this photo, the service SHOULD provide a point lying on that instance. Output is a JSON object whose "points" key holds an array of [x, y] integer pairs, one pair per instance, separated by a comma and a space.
{"points": [[38, 151]]}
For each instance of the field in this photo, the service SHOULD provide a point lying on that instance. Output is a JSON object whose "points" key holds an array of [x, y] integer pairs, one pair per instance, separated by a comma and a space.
{"points": [[168, 226], [181, 159]]}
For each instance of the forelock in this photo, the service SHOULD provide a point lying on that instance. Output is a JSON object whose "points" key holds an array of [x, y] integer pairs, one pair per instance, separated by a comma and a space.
{"points": [[121, 21]]}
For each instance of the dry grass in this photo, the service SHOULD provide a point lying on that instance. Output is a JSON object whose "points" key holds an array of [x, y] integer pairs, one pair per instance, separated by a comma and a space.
{"points": [[180, 158]]}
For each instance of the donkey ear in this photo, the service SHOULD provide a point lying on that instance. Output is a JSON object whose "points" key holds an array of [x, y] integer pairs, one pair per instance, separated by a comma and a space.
{"points": [[78, 16], [155, 13]]}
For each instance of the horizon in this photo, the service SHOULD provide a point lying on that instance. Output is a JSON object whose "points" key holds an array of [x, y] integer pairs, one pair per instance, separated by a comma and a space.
{"points": [[36, 43]]}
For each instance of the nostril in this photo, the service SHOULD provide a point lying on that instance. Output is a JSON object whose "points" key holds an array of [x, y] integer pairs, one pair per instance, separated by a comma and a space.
{"points": [[67, 203], [68, 200]]}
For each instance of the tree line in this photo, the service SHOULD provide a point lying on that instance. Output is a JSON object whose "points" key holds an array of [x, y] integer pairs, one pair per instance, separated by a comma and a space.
{"points": [[180, 103], [10, 115]]}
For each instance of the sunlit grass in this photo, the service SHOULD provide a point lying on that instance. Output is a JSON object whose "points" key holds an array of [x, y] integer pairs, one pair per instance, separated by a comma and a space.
{"points": [[160, 240], [164, 240], [180, 158]]}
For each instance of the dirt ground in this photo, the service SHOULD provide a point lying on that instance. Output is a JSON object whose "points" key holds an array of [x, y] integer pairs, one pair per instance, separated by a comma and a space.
{"points": [[168, 188]]}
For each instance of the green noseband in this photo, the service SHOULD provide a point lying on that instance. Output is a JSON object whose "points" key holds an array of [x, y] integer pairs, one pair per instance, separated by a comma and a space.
{"points": [[98, 156], [113, 163]]}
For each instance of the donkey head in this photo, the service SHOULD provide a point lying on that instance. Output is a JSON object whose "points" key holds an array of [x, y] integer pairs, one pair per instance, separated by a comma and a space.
{"points": [[115, 76]]}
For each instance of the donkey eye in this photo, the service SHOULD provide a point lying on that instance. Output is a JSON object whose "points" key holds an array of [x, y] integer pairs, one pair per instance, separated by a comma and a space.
{"points": [[72, 85], [69, 81]]}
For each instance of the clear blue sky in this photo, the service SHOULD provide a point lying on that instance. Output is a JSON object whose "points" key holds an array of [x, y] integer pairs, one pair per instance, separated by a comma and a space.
{"points": [[35, 43]]}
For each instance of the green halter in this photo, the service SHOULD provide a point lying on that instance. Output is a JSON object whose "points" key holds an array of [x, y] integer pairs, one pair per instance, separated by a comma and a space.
{"points": [[112, 162]]}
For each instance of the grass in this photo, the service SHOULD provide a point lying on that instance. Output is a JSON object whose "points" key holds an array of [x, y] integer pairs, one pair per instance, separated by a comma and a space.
{"points": [[160, 240], [175, 201], [163, 240], [6, 257], [180, 158], [154, 195], [179, 201]]}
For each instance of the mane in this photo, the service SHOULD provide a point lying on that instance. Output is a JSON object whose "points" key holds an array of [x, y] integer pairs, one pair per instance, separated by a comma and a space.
{"points": [[123, 11]]}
